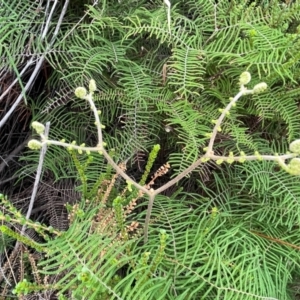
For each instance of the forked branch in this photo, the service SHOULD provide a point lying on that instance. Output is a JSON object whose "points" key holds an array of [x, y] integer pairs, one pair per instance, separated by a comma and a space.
{"points": [[293, 167]]}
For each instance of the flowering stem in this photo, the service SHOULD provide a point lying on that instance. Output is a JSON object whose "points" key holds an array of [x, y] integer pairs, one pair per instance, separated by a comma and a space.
{"points": [[98, 124], [209, 154], [225, 111]]}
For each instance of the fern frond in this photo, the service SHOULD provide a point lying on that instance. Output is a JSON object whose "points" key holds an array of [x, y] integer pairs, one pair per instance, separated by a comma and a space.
{"points": [[186, 69], [190, 127], [209, 250], [281, 107]]}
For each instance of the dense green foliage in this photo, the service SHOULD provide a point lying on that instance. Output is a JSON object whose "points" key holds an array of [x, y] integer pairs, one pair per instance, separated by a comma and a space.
{"points": [[226, 231]]}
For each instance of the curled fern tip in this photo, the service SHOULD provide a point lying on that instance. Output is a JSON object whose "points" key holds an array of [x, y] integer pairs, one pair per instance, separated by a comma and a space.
{"points": [[80, 92], [245, 78]]}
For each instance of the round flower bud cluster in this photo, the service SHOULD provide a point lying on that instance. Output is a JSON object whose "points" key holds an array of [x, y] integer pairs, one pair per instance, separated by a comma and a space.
{"points": [[92, 86], [295, 147], [38, 127], [245, 78], [81, 92], [259, 88], [35, 144], [294, 166]]}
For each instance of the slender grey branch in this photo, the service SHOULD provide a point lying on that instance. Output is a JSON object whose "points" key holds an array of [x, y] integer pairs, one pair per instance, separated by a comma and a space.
{"points": [[36, 182], [26, 88], [149, 211], [74, 27], [38, 175], [40, 61], [124, 175], [28, 64], [62, 14], [48, 20]]}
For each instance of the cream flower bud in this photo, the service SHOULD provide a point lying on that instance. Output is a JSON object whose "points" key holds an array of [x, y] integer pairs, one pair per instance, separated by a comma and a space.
{"points": [[35, 144], [245, 78], [80, 92], [294, 166], [92, 86], [259, 88], [295, 146], [38, 127]]}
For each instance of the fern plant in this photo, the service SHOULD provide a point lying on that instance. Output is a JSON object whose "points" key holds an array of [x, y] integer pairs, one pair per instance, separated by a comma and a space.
{"points": [[182, 74], [112, 222], [170, 66]]}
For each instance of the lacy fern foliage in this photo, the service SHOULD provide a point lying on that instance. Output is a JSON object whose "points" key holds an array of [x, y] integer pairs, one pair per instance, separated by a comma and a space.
{"points": [[165, 73]]}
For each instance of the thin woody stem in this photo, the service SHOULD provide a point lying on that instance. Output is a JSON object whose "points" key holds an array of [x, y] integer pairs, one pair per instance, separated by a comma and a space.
{"points": [[105, 154], [225, 111], [207, 156], [98, 124]]}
